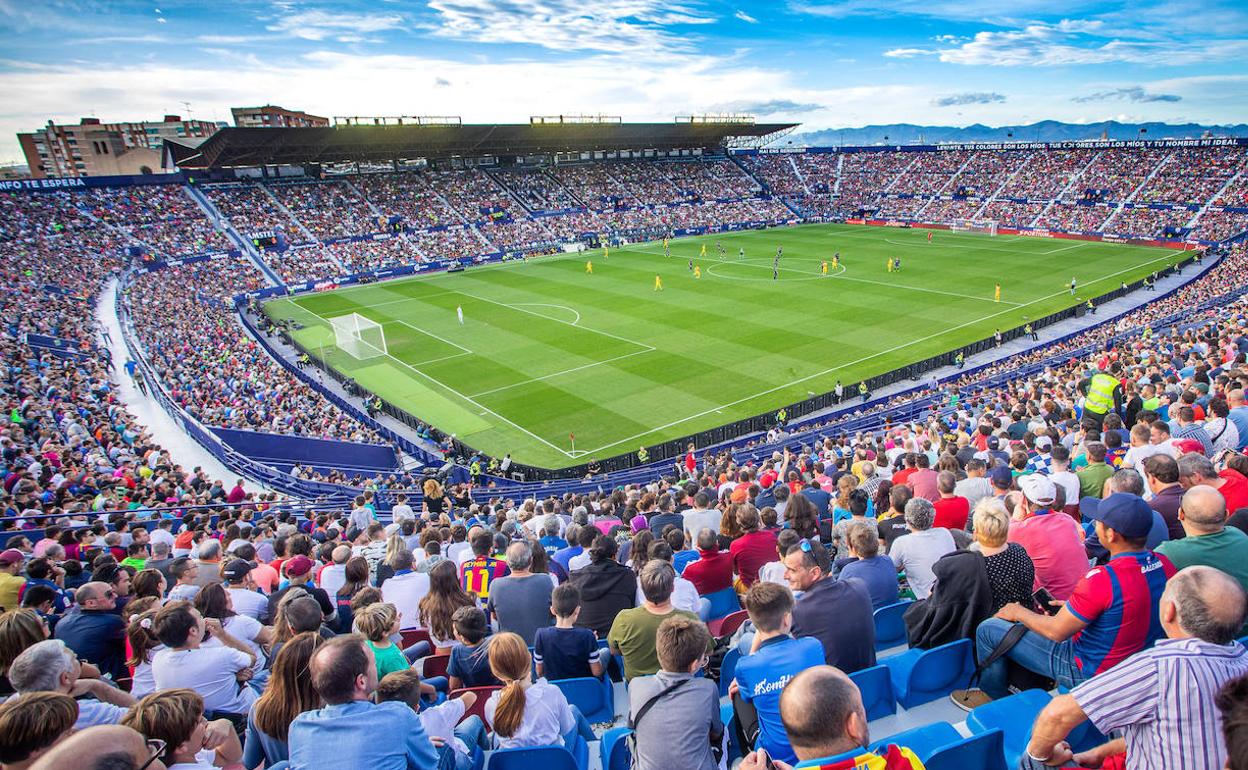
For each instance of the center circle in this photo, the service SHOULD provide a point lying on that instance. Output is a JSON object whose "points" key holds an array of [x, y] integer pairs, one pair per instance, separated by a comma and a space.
{"points": [[755, 269]]}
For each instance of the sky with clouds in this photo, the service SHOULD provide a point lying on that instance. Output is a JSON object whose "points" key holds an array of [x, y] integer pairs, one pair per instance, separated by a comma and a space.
{"points": [[824, 63]]}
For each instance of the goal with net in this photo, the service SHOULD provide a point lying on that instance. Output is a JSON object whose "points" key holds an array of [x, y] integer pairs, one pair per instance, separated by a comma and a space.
{"points": [[987, 226], [360, 337]]}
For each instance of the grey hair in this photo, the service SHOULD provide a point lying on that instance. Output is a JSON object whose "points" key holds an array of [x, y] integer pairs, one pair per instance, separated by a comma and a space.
{"points": [[160, 546], [1128, 481], [707, 539], [1210, 603], [551, 525], [209, 548], [39, 667], [1196, 464], [519, 556], [657, 580], [920, 514]]}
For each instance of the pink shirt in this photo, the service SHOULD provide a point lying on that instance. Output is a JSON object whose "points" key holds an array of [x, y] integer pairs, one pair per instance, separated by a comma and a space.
{"points": [[923, 482], [1054, 541]]}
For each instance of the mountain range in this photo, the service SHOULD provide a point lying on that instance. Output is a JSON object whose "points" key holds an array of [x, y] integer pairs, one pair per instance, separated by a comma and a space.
{"points": [[1044, 131]]}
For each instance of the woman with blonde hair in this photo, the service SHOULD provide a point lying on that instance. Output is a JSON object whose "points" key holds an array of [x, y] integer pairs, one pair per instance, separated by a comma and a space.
{"points": [[1010, 570], [524, 712], [434, 499]]}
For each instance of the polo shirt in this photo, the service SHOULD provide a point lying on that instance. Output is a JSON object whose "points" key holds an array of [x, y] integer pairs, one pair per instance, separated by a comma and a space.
{"points": [[96, 636], [838, 614], [750, 552], [1119, 602], [763, 675], [711, 572], [1055, 544], [952, 512], [1092, 479]]}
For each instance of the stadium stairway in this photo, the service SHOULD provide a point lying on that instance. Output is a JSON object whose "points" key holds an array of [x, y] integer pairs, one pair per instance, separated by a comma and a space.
{"points": [[766, 187], [235, 237]]}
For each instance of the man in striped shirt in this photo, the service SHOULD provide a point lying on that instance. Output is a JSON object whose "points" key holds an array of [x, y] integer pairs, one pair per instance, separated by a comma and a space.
{"points": [[1161, 699]]}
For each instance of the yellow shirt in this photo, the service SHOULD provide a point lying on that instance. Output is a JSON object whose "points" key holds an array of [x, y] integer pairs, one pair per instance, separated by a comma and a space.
{"points": [[10, 585]]}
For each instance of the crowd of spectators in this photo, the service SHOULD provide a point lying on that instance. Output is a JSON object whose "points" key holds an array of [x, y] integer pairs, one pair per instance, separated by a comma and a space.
{"points": [[1219, 224], [930, 173], [1046, 173], [451, 243], [406, 195], [1193, 175], [358, 256], [1116, 174], [536, 189], [1012, 213], [305, 263], [251, 210], [1074, 218], [163, 218], [330, 209], [1148, 222]]}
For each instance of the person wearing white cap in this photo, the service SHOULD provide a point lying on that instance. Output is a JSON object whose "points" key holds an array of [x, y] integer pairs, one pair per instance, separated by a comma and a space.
{"points": [[1053, 540]]}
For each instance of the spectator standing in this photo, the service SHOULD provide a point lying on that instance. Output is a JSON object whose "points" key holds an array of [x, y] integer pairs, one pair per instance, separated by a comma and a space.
{"points": [[916, 552]]}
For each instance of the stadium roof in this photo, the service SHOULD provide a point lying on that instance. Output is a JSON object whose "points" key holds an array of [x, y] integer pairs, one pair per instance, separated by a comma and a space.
{"points": [[293, 146]]}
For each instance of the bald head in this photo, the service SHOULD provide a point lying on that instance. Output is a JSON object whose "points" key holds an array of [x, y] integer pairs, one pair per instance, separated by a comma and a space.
{"points": [[1203, 510], [1208, 604], [823, 714], [1235, 398], [103, 746], [341, 554]]}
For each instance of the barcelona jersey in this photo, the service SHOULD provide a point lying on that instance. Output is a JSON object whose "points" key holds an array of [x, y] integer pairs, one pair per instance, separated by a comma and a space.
{"points": [[477, 573]]}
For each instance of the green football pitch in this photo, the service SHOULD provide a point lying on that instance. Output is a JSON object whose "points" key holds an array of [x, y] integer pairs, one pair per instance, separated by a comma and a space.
{"points": [[547, 350]]}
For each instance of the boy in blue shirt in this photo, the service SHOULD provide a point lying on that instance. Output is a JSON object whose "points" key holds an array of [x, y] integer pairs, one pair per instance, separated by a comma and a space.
{"points": [[775, 658], [563, 651]]}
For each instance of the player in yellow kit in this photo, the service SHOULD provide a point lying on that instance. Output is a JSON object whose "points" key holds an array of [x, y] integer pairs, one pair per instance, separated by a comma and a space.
{"points": [[823, 267], [606, 251], [667, 252], [658, 283], [889, 264], [703, 254], [589, 268], [997, 296], [836, 260], [697, 271]]}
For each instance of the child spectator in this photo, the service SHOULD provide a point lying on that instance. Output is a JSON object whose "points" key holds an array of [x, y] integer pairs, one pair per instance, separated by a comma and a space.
{"points": [[563, 651], [524, 712], [441, 722], [176, 717], [378, 622], [470, 660]]}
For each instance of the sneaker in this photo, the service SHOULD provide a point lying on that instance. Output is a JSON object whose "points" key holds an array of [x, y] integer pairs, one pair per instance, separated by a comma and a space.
{"points": [[969, 699]]}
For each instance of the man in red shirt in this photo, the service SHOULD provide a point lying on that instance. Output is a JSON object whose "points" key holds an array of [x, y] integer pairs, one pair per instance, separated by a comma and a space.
{"points": [[1054, 542], [923, 480], [952, 511], [1196, 469], [713, 570], [903, 475], [753, 549]]}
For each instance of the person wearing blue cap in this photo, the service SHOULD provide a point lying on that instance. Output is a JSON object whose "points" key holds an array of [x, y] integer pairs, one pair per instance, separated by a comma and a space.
{"points": [[1112, 614]]}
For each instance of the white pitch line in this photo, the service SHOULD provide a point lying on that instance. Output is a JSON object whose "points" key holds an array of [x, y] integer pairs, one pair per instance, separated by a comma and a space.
{"points": [[469, 399], [809, 377], [545, 304], [556, 320], [557, 374], [1065, 248], [443, 358], [436, 337]]}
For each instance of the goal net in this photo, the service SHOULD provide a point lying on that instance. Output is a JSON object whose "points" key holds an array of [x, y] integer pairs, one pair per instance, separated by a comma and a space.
{"points": [[359, 336], [986, 226]]}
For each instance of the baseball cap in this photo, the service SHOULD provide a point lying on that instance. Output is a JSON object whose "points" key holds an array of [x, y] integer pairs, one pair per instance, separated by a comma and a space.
{"points": [[994, 442], [1038, 489], [10, 556], [1124, 513], [298, 566], [237, 569], [1001, 477], [1043, 442]]}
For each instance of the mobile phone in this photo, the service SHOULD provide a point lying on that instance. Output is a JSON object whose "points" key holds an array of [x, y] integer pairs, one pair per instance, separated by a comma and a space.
{"points": [[767, 763], [1045, 599]]}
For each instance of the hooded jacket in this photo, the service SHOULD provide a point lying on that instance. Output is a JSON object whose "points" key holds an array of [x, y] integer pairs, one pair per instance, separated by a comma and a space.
{"points": [[607, 587]]}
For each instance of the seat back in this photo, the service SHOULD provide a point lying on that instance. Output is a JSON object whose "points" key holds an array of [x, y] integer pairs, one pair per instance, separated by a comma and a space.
{"points": [[890, 628], [595, 700], [730, 624], [921, 740], [1013, 716], [938, 672], [529, 757], [985, 751], [876, 687], [435, 665], [413, 635], [614, 749], [478, 708], [724, 603], [728, 669]]}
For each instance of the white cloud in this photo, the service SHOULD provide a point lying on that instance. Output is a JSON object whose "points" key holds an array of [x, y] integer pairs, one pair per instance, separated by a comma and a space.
{"points": [[957, 100], [743, 16], [610, 26], [1128, 93], [1072, 42], [319, 25]]}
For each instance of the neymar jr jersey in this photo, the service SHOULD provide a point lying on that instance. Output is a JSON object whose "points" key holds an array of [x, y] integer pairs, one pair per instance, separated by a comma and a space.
{"points": [[477, 573], [1119, 602]]}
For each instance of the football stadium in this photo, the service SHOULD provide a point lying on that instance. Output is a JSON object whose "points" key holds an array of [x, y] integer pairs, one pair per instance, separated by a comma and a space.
{"points": [[813, 437]]}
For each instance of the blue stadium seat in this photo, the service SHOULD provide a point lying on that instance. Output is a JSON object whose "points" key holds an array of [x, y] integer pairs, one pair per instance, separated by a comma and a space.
{"points": [[876, 686], [614, 749], [594, 697], [920, 676], [1013, 715], [727, 715], [890, 629], [724, 603], [923, 740], [545, 757], [984, 751], [728, 669]]}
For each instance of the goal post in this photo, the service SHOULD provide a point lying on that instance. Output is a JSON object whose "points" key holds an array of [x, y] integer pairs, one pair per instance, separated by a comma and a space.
{"points": [[986, 226], [360, 337]]}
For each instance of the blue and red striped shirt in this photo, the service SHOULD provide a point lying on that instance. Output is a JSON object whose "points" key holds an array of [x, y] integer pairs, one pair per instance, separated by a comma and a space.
{"points": [[1119, 602]]}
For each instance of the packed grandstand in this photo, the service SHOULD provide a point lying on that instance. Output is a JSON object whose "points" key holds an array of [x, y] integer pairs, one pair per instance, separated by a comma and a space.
{"points": [[821, 594]]}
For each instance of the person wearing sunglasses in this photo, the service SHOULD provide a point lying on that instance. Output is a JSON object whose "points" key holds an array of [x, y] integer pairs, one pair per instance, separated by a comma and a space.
{"points": [[94, 631], [180, 736]]}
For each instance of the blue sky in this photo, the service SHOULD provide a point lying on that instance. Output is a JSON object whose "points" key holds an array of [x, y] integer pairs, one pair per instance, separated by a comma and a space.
{"points": [[824, 63]]}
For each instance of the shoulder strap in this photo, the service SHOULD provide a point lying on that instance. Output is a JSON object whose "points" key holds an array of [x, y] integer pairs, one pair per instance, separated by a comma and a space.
{"points": [[645, 707], [1011, 638]]}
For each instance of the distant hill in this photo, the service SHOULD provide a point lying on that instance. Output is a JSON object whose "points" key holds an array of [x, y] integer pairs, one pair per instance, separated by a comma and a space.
{"points": [[1044, 131]]}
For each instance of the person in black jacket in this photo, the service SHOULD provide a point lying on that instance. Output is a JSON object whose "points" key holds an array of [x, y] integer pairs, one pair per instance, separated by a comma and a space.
{"points": [[961, 598], [607, 587]]}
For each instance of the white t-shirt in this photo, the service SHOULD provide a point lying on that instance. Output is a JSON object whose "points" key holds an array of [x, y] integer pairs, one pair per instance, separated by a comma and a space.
{"points": [[1069, 483], [253, 604], [333, 577], [162, 536], [696, 521], [143, 683], [439, 722], [458, 553], [547, 717], [244, 629], [580, 561], [405, 592], [402, 512], [772, 572], [208, 671]]}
